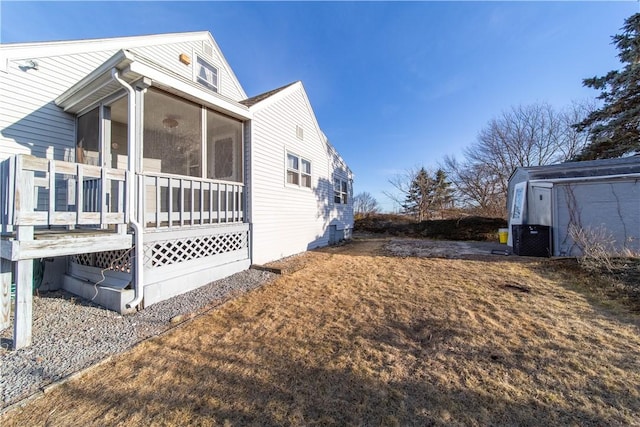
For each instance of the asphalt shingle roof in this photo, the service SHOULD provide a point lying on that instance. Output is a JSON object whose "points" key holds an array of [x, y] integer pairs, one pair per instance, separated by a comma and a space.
{"points": [[603, 167], [249, 102]]}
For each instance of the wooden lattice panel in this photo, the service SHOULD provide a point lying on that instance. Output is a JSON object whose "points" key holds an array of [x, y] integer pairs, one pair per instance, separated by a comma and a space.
{"points": [[110, 260], [114, 260], [174, 251], [84, 259]]}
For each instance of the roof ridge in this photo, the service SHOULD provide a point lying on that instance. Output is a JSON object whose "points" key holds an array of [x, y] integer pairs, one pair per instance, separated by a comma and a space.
{"points": [[249, 102]]}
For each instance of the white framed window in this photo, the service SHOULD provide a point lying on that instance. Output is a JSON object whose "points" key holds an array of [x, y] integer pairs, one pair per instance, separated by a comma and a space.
{"points": [[206, 74], [298, 171], [340, 191]]}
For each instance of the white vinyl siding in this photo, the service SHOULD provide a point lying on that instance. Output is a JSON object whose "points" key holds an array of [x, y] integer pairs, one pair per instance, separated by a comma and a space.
{"points": [[168, 56], [30, 123], [286, 222]]}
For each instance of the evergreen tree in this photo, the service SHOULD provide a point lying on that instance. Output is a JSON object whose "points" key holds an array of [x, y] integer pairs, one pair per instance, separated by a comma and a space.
{"points": [[427, 195], [417, 197], [615, 128], [443, 193]]}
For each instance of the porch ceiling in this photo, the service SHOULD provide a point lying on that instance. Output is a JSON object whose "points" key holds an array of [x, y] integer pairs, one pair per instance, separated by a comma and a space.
{"points": [[95, 86], [99, 84]]}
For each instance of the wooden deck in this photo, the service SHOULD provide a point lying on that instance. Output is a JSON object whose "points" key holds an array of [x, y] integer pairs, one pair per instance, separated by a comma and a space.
{"points": [[37, 195], [52, 243], [52, 208]]}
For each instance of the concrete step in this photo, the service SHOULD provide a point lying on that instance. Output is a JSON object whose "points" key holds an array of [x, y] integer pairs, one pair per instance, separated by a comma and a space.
{"points": [[111, 298]]}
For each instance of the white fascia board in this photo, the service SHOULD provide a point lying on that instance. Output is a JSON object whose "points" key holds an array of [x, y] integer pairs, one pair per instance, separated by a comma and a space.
{"points": [[16, 51], [236, 82], [183, 89], [99, 77], [619, 177], [4, 63]]}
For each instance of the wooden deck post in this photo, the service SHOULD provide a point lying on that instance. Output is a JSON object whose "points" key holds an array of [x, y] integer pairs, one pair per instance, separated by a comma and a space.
{"points": [[5, 293], [23, 314], [23, 320]]}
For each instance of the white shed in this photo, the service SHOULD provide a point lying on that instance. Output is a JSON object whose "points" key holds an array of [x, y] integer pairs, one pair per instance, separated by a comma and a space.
{"points": [[600, 196]]}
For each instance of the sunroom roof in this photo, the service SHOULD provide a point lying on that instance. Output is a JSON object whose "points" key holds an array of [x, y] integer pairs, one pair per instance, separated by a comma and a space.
{"points": [[100, 84]]}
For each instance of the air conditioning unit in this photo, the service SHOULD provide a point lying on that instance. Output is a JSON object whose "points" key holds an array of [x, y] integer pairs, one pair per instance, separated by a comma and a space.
{"points": [[532, 240]]}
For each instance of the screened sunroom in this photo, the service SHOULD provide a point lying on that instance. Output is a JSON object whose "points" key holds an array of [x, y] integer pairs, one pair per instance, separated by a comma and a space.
{"points": [[149, 199], [182, 146]]}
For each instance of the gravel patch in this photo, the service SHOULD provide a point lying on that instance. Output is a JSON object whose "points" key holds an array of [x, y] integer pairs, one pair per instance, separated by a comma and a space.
{"points": [[71, 334]]}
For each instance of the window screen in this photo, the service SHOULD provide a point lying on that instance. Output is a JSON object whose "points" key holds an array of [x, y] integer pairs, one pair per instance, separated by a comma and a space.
{"points": [[172, 135], [88, 138]]}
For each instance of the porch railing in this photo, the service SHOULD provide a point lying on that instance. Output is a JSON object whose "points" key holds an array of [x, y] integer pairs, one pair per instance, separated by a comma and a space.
{"points": [[172, 201], [44, 192]]}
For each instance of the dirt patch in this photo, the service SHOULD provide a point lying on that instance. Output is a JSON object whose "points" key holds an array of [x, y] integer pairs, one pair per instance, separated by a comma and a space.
{"points": [[444, 248]]}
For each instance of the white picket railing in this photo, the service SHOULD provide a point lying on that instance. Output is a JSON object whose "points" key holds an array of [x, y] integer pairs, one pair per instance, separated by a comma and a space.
{"points": [[173, 201], [44, 192]]}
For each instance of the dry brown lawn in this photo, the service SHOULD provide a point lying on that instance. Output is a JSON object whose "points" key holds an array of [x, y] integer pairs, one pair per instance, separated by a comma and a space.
{"points": [[359, 338]]}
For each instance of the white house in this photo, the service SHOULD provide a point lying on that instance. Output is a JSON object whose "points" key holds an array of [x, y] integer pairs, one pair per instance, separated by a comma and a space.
{"points": [[141, 166], [599, 195]]}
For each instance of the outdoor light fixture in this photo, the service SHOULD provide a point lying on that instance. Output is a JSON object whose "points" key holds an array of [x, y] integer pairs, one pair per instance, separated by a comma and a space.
{"points": [[30, 64], [170, 123]]}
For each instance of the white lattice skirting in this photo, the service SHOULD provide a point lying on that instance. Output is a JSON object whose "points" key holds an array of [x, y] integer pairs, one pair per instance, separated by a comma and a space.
{"points": [[110, 260], [168, 252], [174, 262]]}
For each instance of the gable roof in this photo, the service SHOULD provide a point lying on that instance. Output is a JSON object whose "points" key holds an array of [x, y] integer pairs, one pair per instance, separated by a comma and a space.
{"points": [[250, 102], [17, 51], [99, 83], [590, 168], [265, 99]]}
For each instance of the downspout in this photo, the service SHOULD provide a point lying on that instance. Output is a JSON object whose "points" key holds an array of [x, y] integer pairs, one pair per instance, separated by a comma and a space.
{"points": [[138, 283]]}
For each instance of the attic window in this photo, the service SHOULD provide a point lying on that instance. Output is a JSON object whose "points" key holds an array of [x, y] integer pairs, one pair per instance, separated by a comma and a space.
{"points": [[206, 74], [299, 132]]}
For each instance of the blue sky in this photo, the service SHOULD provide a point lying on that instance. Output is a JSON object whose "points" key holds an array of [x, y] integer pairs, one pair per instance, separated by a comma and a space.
{"points": [[393, 85]]}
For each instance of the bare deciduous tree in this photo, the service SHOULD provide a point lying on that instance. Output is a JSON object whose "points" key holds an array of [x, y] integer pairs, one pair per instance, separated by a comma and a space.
{"points": [[477, 190], [365, 204], [530, 135]]}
